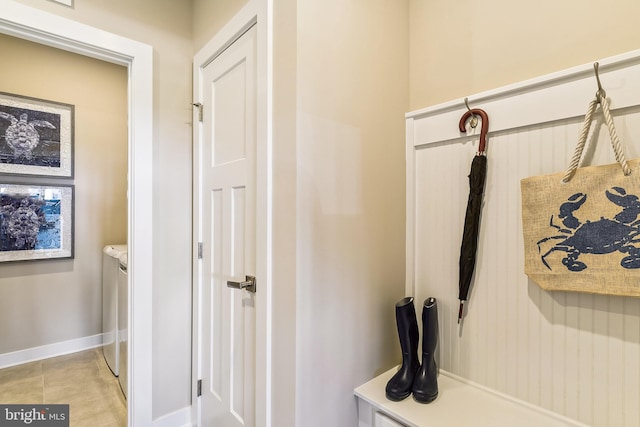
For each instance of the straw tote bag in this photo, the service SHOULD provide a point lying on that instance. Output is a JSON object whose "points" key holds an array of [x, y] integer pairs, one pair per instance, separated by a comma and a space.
{"points": [[581, 227]]}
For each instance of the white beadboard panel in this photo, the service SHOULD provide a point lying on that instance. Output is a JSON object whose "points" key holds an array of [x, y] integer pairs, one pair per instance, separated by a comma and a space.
{"points": [[575, 354]]}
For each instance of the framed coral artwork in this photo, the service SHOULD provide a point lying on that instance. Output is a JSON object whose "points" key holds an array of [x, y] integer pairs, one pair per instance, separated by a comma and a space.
{"points": [[36, 221], [36, 136]]}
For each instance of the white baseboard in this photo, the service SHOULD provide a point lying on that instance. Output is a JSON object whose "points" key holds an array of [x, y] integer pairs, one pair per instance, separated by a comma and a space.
{"points": [[50, 350], [179, 418]]}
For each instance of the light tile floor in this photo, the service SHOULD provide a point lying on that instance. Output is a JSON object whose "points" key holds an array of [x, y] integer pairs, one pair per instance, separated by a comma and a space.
{"points": [[83, 380]]}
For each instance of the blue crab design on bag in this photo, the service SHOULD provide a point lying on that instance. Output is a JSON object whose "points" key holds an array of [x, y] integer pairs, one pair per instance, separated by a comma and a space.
{"points": [[600, 237]]}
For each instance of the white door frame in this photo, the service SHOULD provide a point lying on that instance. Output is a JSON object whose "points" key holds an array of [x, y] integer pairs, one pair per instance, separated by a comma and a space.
{"points": [[41, 27], [254, 12]]}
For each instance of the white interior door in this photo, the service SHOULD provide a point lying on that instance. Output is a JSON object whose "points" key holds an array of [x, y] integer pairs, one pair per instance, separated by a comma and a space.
{"points": [[226, 192]]}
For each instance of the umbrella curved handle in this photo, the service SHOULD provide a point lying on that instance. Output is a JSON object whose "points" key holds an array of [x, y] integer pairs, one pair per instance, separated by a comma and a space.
{"points": [[483, 130]]}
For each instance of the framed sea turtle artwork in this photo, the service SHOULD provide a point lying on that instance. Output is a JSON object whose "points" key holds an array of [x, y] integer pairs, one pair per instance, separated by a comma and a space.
{"points": [[36, 136], [36, 221]]}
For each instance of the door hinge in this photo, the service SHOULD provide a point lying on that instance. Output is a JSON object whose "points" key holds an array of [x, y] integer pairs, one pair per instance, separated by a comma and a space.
{"points": [[199, 107], [200, 250], [199, 388]]}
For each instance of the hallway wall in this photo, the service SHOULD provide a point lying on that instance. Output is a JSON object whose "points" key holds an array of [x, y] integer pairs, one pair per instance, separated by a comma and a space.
{"points": [[352, 93], [46, 302]]}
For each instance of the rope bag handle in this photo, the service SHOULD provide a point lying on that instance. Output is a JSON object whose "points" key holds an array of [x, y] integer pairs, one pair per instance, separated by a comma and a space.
{"points": [[615, 142]]}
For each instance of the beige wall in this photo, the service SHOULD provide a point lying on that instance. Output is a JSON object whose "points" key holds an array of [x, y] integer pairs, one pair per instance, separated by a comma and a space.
{"points": [[284, 281], [465, 47], [210, 16], [352, 92], [45, 302], [166, 26]]}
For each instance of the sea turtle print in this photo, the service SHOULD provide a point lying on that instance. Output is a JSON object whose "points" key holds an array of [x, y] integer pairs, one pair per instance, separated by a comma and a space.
{"points": [[22, 136]]}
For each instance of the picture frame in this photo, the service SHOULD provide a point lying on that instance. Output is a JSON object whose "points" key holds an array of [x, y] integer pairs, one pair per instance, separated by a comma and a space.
{"points": [[36, 136], [36, 221]]}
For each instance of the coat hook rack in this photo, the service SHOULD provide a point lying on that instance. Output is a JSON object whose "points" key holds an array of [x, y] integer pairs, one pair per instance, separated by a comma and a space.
{"points": [[601, 92], [474, 120]]}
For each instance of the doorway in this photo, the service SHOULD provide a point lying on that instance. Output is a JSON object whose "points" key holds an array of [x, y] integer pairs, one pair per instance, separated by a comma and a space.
{"points": [[233, 62], [96, 95], [41, 27], [225, 193]]}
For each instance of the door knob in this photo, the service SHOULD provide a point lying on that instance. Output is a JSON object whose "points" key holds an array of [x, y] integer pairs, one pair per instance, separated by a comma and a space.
{"points": [[249, 284]]}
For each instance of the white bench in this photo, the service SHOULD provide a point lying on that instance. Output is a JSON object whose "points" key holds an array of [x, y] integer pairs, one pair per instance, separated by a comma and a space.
{"points": [[459, 404]]}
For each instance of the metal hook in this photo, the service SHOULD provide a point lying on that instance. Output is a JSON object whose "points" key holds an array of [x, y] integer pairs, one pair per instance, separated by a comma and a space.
{"points": [[474, 120], [483, 130], [600, 93]]}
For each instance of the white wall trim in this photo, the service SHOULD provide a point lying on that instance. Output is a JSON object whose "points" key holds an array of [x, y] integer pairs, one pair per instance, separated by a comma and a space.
{"points": [[179, 418], [64, 2], [50, 350], [41, 27], [565, 94]]}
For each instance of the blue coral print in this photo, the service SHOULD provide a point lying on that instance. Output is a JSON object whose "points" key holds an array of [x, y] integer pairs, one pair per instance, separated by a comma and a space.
{"points": [[29, 222]]}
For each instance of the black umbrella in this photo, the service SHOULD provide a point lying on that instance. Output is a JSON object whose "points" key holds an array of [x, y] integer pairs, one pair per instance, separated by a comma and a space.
{"points": [[470, 233]]}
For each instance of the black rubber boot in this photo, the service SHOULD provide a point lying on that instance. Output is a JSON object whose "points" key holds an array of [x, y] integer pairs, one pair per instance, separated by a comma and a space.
{"points": [[425, 384], [399, 386]]}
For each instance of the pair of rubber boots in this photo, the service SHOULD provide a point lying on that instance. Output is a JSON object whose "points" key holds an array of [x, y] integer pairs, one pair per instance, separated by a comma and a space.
{"points": [[413, 377]]}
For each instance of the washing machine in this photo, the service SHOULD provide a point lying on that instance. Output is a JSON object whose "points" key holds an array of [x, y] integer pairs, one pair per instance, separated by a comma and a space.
{"points": [[123, 320], [110, 269]]}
